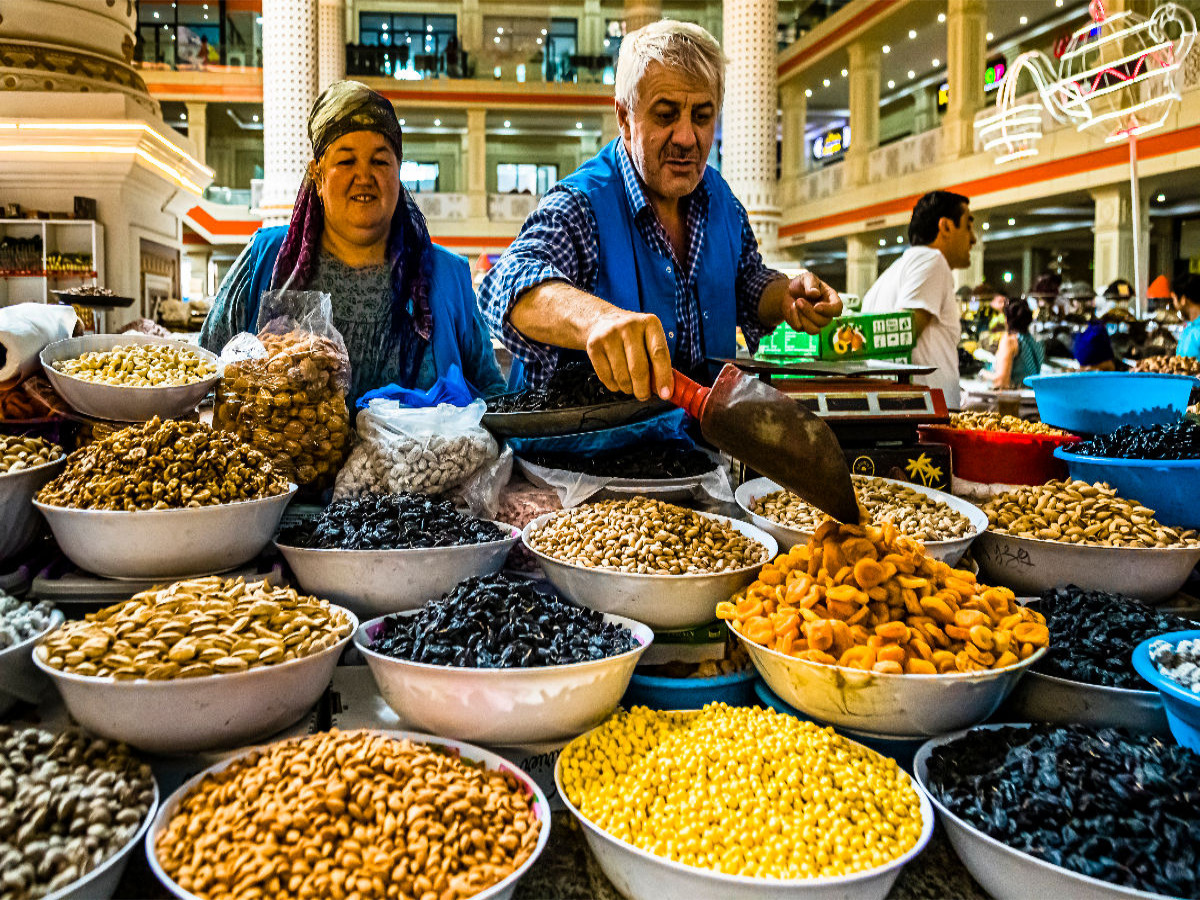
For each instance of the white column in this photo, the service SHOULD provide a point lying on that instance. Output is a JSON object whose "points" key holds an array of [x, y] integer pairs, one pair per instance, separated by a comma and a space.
{"points": [[609, 128], [475, 159], [966, 51], [972, 275], [591, 29], [925, 114], [289, 89], [642, 12], [197, 119], [331, 43], [748, 118], [794, 105], [864, 109], [862, 263], [1113, 237], [470, 27]]}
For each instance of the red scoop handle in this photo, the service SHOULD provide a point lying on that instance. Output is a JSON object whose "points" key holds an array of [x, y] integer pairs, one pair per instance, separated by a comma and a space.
{"points": [[688, 395]]}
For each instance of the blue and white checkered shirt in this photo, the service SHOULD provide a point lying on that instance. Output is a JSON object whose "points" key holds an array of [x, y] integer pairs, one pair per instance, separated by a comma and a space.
{"points": [[560, 241]]}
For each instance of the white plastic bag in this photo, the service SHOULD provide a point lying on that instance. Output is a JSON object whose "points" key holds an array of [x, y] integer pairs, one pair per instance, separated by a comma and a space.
{"points": [[430, 450]]}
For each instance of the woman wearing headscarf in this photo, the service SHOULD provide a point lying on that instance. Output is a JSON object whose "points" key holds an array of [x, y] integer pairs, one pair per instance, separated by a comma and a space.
{"points": [[1018, 354], [404, 306]]}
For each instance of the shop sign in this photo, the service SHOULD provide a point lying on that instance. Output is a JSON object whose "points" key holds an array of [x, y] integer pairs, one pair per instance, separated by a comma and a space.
{"points": [[993, 74], [833, 142]]}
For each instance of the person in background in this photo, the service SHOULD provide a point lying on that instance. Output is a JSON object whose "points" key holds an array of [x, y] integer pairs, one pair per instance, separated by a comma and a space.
{"points": [[1185, 297], [940, 235], [1093, 349], [404, 306], [643, 259], [1019, 354]]}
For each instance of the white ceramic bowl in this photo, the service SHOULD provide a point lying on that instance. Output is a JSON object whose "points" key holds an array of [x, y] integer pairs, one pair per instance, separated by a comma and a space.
{"points": [[1030, 566], [639, 875], [503, 707], [166, 543], [19, 677], [501, 891], [377, 582], [1005, 873], [665, 602], [895, 707], [117, 403], [187, 715], [19, 521], [101, 883], [949, 552]]}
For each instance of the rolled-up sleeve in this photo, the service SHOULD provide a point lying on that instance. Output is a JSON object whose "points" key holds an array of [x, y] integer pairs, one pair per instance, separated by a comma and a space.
{"points": [[753, 276], [228, 313], [558, 242]]}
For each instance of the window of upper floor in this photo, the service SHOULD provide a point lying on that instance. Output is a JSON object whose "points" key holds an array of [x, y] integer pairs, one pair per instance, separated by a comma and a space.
{"points": [[198, 34]]}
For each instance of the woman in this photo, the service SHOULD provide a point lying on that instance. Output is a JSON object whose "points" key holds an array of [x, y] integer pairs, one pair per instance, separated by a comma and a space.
{"points": [[1185, 297], [404, 306], [1019, 354]]}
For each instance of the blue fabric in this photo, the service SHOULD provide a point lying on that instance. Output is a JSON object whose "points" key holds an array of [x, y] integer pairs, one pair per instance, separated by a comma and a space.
{"points": [[668, 426], [450, 388], [459, 336], [1092, 345], [1189, 341]]}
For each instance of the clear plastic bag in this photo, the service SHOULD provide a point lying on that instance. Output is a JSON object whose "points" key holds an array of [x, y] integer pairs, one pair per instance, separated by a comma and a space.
{"points": [[284, 389], [431, 450]]}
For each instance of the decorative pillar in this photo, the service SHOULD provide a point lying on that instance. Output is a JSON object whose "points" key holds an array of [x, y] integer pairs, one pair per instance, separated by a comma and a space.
{"points": [[641, 12], [1113, 237], [794, 105], [289, 89], [331, 43], [609, 129], [591, 29], [966, 53], [862, 263], [864, 110], [470, 27], [748, 120], [475, 159], [925, 112], [197, 119]]}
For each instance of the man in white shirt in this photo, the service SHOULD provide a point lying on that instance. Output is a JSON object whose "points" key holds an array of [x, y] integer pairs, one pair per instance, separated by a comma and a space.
{"points": [[941, 236]]}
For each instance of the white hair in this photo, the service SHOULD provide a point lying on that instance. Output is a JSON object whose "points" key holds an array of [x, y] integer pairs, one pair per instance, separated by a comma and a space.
{"points": [[681, 46]]}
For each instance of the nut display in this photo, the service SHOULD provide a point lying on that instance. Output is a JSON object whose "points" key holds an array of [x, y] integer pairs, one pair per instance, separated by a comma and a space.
{"points": [[1170, 365], [291, 404], [206, 626], [916, 515], [20, 453], [645, 536], [644, 460], [163, 465], [429, 465], [1179, 662], [990, 421], [140, 365], [865, 597], [742, 790], [349, 814], [1076, 512], [19, 621], [68, 802]]}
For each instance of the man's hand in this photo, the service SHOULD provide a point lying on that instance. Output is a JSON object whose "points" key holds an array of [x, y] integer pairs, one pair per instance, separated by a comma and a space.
{"points": [[629, 352], [810, 304]]}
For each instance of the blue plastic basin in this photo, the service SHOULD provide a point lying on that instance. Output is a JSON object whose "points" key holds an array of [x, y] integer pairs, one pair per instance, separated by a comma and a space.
{"points": [[735, 689], [1099, 402], [1170, 487], [1181, 705]]}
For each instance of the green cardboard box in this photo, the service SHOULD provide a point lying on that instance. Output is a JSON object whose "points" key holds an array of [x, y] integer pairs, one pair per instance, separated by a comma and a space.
{"points": [[878, 336]]}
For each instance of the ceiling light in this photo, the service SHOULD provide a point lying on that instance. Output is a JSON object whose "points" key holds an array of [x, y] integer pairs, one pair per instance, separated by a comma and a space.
{"points": [[206, 17], [401, 122], [1161, 198], [936, 62], [543, 32], [539, 41], [808, 92], [882, 242], [825, 82], [912, 74], [845, 72], [578, 124], [886, 48], [499, 31], [429, 28], [254, 118], [911, 34], [437, 123], [385, 26], [1008, 277], [1024, 20], [1058, 3], [606, 42], [899, 239], [257, 20], [990, 35], [183, 117], [496, 39], [986, 226], [206, 6], [507, 123], [1012, 221], [941, 17], [891, 84], [156, 15]]}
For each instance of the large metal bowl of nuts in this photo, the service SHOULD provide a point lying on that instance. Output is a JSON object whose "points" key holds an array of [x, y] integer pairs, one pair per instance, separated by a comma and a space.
{"points": [[198, 665], [26, 464], [130, 377], [955, 521], [706, 572]]}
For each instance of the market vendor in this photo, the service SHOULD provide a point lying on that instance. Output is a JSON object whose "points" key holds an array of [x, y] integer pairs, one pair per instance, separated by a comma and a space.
{"points": [[404, 307], [1185, 297], [643, 258]]}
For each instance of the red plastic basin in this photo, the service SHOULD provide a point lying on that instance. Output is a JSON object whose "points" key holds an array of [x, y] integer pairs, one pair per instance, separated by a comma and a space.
{"points": [[1000, 457]]}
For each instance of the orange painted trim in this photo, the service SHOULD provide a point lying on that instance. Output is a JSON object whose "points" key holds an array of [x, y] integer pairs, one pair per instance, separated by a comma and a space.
{"points": [[246, 93], [499, 97], [229, 227], [873, 11], [1110, 155], [190, 237], [459, 241]]}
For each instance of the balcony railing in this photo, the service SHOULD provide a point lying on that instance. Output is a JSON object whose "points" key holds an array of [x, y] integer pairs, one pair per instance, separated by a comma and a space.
{"points": [[511, 207]]}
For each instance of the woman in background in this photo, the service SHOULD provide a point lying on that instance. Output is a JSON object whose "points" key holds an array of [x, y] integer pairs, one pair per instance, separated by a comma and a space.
{"points": [[1019, 354]]}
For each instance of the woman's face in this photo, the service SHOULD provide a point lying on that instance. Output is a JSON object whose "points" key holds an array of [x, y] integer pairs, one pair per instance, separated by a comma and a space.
{"points": [[359, 184]]}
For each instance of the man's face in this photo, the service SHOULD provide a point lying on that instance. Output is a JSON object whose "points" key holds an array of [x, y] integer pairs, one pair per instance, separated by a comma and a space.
{"points": [[670, 132], [959, 239]]}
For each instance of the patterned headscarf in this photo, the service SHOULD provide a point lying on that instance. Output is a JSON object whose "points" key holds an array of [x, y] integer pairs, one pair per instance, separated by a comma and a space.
{"points": [[342, 108]]}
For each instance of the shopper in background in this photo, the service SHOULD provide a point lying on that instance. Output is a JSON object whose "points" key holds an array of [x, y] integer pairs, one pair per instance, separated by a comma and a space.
{"points": [[941, 236], [1093, 349], [1185, 297], [1019, 353], [643, 258], [404, 307]]}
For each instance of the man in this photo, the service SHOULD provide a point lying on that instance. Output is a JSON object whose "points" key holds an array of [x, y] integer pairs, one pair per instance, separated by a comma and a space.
{"points": [[1185, 297], [643, 258], [940, 236]]}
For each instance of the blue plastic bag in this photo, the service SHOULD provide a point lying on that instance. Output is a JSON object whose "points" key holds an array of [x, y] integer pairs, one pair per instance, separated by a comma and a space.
{"points": [[668, 426], [451, 388]]}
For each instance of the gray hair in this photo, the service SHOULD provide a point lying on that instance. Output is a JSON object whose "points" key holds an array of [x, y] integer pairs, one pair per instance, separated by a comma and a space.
{"points": [[677, 45]]}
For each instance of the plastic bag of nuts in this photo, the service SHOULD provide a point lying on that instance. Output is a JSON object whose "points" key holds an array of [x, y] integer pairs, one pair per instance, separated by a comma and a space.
{"points": [[284, 391], [429, 450]]}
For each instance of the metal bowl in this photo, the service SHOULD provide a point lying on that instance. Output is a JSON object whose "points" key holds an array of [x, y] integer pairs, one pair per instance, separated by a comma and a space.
{"points": [[187, 715], [550, 422], [376, 582], [19, 522], [501, 891], [668, 490], [949, 552], [1030, 566], [639, 875], [166, 543], [19, 677], [123, 404], [895, 707], [503, 707], [665, 602], [1006, 873]]}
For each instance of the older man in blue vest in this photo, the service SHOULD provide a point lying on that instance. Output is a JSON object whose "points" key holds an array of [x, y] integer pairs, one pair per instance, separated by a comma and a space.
{"points": [[643, 258]]}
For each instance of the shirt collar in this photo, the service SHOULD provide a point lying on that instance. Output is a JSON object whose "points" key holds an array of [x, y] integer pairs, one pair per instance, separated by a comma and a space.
{"points": [[635, 193]]}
